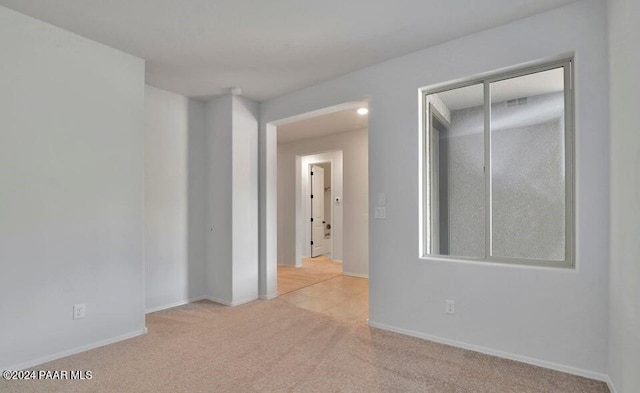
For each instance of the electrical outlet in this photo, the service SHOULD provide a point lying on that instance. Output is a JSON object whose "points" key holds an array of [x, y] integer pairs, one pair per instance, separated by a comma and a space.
{"points": [[450, 306], [382, 199], [79, 311], [380, 212]]}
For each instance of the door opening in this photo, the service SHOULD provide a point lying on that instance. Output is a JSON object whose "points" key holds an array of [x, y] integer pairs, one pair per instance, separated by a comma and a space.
{"points": [[321, 210], [313, 244]]}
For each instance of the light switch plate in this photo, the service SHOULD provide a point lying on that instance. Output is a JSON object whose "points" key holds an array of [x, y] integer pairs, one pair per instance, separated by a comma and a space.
{"points": [[382, 199], [380, 212]]}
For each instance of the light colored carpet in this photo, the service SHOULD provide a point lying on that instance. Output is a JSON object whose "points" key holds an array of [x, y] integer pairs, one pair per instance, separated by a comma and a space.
{"points": [[312, 271], [273, 346]]}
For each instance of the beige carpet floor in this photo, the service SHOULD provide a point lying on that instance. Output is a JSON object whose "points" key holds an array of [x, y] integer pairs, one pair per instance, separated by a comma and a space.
{"points": [[312, 271], [274, 346]]}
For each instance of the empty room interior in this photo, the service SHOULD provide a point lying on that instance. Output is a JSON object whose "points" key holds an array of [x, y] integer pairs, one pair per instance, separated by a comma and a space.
{"points": [[355, 196]]}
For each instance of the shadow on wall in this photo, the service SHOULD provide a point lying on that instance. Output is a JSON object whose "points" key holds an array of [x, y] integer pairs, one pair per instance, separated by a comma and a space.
{"points": [[175, 181], [196, 187]]}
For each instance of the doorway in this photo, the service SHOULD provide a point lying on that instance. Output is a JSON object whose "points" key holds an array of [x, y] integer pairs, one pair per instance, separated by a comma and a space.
{"points": [[314, 251], [322, 205], [321, 209], [278, 222]]}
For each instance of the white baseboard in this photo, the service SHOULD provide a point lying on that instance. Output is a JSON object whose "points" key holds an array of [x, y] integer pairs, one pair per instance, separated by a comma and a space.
{"points": [[337, 260], [231, 304], [239, 302], [612, 388], [501, 354], [174, 304], [269, 296], [355, 275], [83, 348]]}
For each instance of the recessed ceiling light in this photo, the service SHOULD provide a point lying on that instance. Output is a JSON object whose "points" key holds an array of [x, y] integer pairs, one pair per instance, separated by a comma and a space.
{"points": [[363, 111]]}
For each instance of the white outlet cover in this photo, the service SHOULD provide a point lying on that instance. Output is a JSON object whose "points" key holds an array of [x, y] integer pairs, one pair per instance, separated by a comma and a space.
{"points": [[79, 311], [450, 307]]}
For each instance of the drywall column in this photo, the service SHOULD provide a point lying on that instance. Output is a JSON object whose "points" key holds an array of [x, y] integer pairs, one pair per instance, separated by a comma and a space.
{"points": [[624, 286], [268, 139], [245, 199], [218, 201], [232, 200]]}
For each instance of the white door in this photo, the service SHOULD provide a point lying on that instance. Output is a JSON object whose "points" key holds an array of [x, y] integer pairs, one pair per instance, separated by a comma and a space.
{"points": [[317, 211]]}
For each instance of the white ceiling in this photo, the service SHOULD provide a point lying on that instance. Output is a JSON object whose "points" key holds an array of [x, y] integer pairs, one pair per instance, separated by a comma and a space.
{"points": [[327, 124], [268, 48]]}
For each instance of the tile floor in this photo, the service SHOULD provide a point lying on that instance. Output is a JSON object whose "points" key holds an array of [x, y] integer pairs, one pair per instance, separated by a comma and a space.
{"points": [[312, 271], [343, 297]]}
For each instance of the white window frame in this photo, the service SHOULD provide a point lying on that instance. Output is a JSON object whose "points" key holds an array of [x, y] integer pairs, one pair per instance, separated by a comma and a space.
{"points": [[569, 145]]}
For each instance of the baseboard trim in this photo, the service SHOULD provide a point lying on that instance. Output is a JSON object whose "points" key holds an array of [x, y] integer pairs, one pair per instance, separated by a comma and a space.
{"points": [[231, 304], [355, 275], [73, 351], [610, 385], [337, 260], [174, 304], [248, 300], [269, 296], [217, 300], [493, 352]]}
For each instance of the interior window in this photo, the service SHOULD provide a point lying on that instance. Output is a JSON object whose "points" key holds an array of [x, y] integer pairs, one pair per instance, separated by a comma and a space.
{"points": [[498, 165]]}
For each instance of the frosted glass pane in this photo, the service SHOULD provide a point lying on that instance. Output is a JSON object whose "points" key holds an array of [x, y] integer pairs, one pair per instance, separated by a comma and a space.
{"points": [[528, 166], [456, 177]]}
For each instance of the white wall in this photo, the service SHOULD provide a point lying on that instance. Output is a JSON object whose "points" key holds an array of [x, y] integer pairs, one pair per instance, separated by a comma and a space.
{"points": [[174, 199], [245, 200], [554, 317], [624, 339], [232, 200], [196, 204], [72, 180], [218, 199], [267, 209], [352, 245]]}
